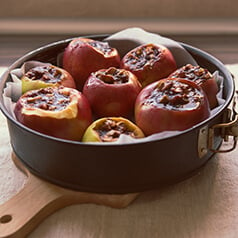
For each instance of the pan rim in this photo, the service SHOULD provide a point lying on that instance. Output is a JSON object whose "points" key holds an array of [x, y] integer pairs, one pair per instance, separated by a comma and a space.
{"points": [[188, 47]]}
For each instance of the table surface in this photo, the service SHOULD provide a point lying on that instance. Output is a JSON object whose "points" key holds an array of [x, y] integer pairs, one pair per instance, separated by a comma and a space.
{"points": [[205, 205]]}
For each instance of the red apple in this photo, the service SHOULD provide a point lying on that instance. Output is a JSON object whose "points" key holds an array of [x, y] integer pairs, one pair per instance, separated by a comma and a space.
{"points": [[169, 105], [83, 56], [46, 76], [109, 129], [149, 62], [112, 92], [202, 77], [56, 111]]}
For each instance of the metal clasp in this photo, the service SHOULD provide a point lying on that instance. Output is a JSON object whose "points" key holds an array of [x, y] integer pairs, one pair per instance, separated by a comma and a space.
{"points": [[227, 129]]}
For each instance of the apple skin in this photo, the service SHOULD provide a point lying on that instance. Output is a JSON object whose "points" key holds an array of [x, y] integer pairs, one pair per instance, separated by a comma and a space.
{"points": [[46, 76], [81, 57], [92, 134], [112, 99], [202, 77], [154, 117], [149, 62], [67, 123]]}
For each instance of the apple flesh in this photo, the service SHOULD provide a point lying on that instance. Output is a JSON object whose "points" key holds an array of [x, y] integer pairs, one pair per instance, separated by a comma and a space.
{"points": [[112, 92], [56, 111], [203, 78], [46, 76], [83, 56], [109, 129], [149, 62], [170, 105]]}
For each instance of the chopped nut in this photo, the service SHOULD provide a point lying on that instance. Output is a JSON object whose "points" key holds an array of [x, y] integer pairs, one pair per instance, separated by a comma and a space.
{"points": [[46, 73], [193, 73], [51, 99], [111, 130], [113, 76], [102, 46], [144, 56], [174, 94]]}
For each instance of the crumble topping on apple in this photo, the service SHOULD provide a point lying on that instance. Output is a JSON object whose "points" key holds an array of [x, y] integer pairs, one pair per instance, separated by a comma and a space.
{"points": [[149, 62], [113, 76], [47, 99], [144, 56], [176, 95], [45, 73], [109, 129], [193, 73], [50, 101], [46, 76], [202, 77]]}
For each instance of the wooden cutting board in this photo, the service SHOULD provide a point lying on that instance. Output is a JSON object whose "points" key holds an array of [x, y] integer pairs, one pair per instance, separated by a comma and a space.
{"points": [[39, 199]]}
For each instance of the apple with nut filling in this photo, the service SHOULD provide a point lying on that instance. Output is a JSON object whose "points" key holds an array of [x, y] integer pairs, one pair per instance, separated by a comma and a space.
{"points": [[149, 62], [170, 105], [112, 92], [56, 111], [109, 129]]}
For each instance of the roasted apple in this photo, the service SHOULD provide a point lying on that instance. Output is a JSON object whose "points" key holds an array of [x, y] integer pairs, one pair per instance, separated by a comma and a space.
{"points": [[109, 129], [149, 62], [170, 105], [202, 77], [112, 92], [46, 76], [56, 111], [83, 56]]}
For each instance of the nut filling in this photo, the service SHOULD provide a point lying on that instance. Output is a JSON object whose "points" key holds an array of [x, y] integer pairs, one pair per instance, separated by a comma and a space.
{"points": [[192, 73], [51, 99], [47, 74], [102, 46], [113, 76], [110, 130], [143, 56], [175, 95]]}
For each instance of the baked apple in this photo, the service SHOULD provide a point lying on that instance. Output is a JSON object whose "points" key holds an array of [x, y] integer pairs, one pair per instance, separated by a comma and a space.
{"points": [[149, 62], [56, 111], [170, 105], [46, 76], [202, 77], [109, 129], [83, 56], [112, 92]]}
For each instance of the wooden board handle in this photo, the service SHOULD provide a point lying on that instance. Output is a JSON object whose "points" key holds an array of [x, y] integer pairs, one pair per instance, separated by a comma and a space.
{"points": [[29, 207], [39, 199]]}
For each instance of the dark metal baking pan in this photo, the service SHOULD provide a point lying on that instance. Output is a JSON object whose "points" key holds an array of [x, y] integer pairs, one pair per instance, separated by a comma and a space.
{"points": [[116, 168]]}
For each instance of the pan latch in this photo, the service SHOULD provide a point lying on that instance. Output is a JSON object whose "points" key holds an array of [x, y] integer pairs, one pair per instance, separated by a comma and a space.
{"points": [[227, 129]]}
